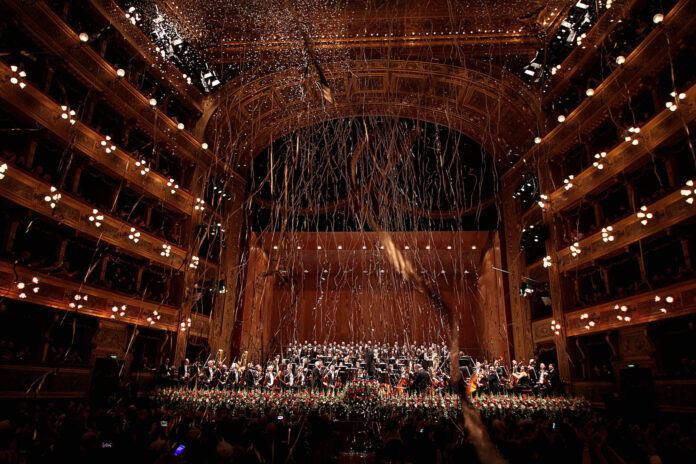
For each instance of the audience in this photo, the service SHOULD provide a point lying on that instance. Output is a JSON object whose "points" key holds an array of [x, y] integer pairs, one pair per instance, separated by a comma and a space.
{"points": [[37, 432]]}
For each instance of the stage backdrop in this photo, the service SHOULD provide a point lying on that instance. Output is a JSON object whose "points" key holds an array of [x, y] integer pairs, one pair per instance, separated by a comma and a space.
{"points": [[327, 287]]}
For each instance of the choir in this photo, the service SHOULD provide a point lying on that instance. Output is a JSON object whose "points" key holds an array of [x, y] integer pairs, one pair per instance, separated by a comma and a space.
{"points": [[401, 367]]}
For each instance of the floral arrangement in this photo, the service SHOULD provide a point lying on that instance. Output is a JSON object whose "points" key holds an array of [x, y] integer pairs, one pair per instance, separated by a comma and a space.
{"points": [[367, 401], [361, 390], [522, 406]]}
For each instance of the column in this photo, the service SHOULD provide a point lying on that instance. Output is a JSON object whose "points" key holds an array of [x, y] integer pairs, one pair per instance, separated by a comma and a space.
{"points": [[523, 341], [555, 284]]}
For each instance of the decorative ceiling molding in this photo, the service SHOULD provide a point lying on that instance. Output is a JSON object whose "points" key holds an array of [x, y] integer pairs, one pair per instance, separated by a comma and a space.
{"points": [[484, 102]]}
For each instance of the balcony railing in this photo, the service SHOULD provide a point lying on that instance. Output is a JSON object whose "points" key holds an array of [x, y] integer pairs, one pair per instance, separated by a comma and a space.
{"points": [[163, 69], [59, 293], [654, 305], [665, 212], [583, 54], [659, 129], [643, 61], [42, 109], [56, 36], [31, 192]]}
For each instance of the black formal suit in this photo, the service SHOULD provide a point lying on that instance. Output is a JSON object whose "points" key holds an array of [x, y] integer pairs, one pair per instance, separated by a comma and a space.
{"points": [[233, 377], [533, 374], [421, 381], [249, 377], [187, 372], [370, 364], [163, 374], [552, 377], [316, 377]]}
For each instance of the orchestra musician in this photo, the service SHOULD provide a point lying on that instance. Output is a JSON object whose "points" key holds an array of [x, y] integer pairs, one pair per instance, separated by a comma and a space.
{"points": [[207, 375], [233, 376], [301, 377], [515, 367], [543, 383], [522, 379], [404, 381], [186, 371], [289, 377], [421, 379], [532, 371], [309, 366], [552, 378], [330, 380], [316, 376], [280, 376], [164, 374], [480, 382], [269, 378], [249, 376]]}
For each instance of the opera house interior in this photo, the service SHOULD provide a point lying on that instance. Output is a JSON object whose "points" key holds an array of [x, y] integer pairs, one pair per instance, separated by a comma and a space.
{"points": [[348, 231]]}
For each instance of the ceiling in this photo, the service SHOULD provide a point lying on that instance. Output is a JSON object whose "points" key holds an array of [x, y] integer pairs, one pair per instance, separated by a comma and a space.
{"points": [[262, 36]]}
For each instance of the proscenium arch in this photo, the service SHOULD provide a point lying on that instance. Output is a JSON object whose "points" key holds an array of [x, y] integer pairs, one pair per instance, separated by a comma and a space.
{"points": [[482, 101], [345, 202]]}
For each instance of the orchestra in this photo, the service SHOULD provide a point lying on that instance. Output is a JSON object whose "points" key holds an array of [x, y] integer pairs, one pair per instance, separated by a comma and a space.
{"points": [[399, 368]]}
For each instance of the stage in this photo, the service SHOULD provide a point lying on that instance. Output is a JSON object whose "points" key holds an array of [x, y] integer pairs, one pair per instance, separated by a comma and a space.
{"points": [[366, 400]]}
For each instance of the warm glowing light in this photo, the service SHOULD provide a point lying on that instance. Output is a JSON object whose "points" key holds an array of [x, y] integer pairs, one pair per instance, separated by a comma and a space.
{"points": [[607, 234], [120, 72], [689, 192], [644, 215], [134, 235], [84, 37], [658, 18], [96, 218], [620, 60], [166, 250]]}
